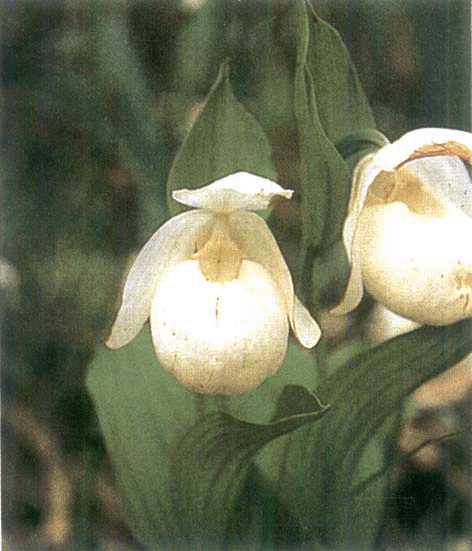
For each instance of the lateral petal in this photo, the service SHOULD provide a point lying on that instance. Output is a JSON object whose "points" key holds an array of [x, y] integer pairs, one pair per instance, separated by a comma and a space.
{"points": [[238, 191], [172, 243], [435, 156], [364, 175], [305, 328], [355, 289], [254, 237]]}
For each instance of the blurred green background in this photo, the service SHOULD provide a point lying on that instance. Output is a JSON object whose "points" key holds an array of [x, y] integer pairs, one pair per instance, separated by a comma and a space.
{"points": [[95, 99]]}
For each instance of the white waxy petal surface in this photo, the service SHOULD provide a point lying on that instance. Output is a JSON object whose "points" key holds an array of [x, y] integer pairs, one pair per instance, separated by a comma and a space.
{"points": [[238, 191], [419, 267], [219, 338], [172, 243]]}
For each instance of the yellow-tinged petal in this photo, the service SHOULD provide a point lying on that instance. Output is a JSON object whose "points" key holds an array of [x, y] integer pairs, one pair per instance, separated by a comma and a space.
{"points": [[383, 324], [219, 338], [238, 191], [172, 243], [254, 237], [424, 142]]}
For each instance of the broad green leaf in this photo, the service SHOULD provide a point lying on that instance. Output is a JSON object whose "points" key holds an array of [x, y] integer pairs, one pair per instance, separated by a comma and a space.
{"points": [[341, 102], [224, 139], [207, 488], [342, 107], [315, 149], [322, 168], [329, 105], [142, 413], [182, 459], [345, 448]]}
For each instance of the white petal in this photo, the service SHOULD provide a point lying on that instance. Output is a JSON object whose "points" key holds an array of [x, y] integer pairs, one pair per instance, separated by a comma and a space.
{"points": [[418, 267], [172, 243], [254, 237], [423, 142], [219, 338], [355, 289], [238, 191], [364, 175], [306, 329], [392, 155]]}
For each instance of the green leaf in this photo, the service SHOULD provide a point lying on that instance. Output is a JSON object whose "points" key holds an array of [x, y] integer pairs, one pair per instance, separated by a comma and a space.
{"points": [[347, 445], [321, 164], [342, 104], [360, 143], [224, 139], [207, 489], [142, 411], [181, 458], [329, 105]]}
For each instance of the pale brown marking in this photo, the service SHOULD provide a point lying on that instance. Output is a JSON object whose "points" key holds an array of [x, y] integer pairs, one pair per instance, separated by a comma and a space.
{"points": [[402, 185], [220, 258], [464, 280]]}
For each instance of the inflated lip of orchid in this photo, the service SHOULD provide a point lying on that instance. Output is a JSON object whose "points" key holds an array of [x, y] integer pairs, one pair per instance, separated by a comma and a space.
{"points": [[217, 290], [408, 232]]}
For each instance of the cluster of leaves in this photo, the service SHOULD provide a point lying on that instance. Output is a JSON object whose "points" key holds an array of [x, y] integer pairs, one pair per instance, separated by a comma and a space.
{"points": [[278, 466]]}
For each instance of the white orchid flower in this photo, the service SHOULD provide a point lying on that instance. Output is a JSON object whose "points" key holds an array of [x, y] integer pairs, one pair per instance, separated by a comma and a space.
{"points": [[408, 233], [217, 290]]}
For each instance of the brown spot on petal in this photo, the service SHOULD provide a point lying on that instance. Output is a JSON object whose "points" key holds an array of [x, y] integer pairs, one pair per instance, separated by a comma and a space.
{"points": [[463, 282], [464, 279]]}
